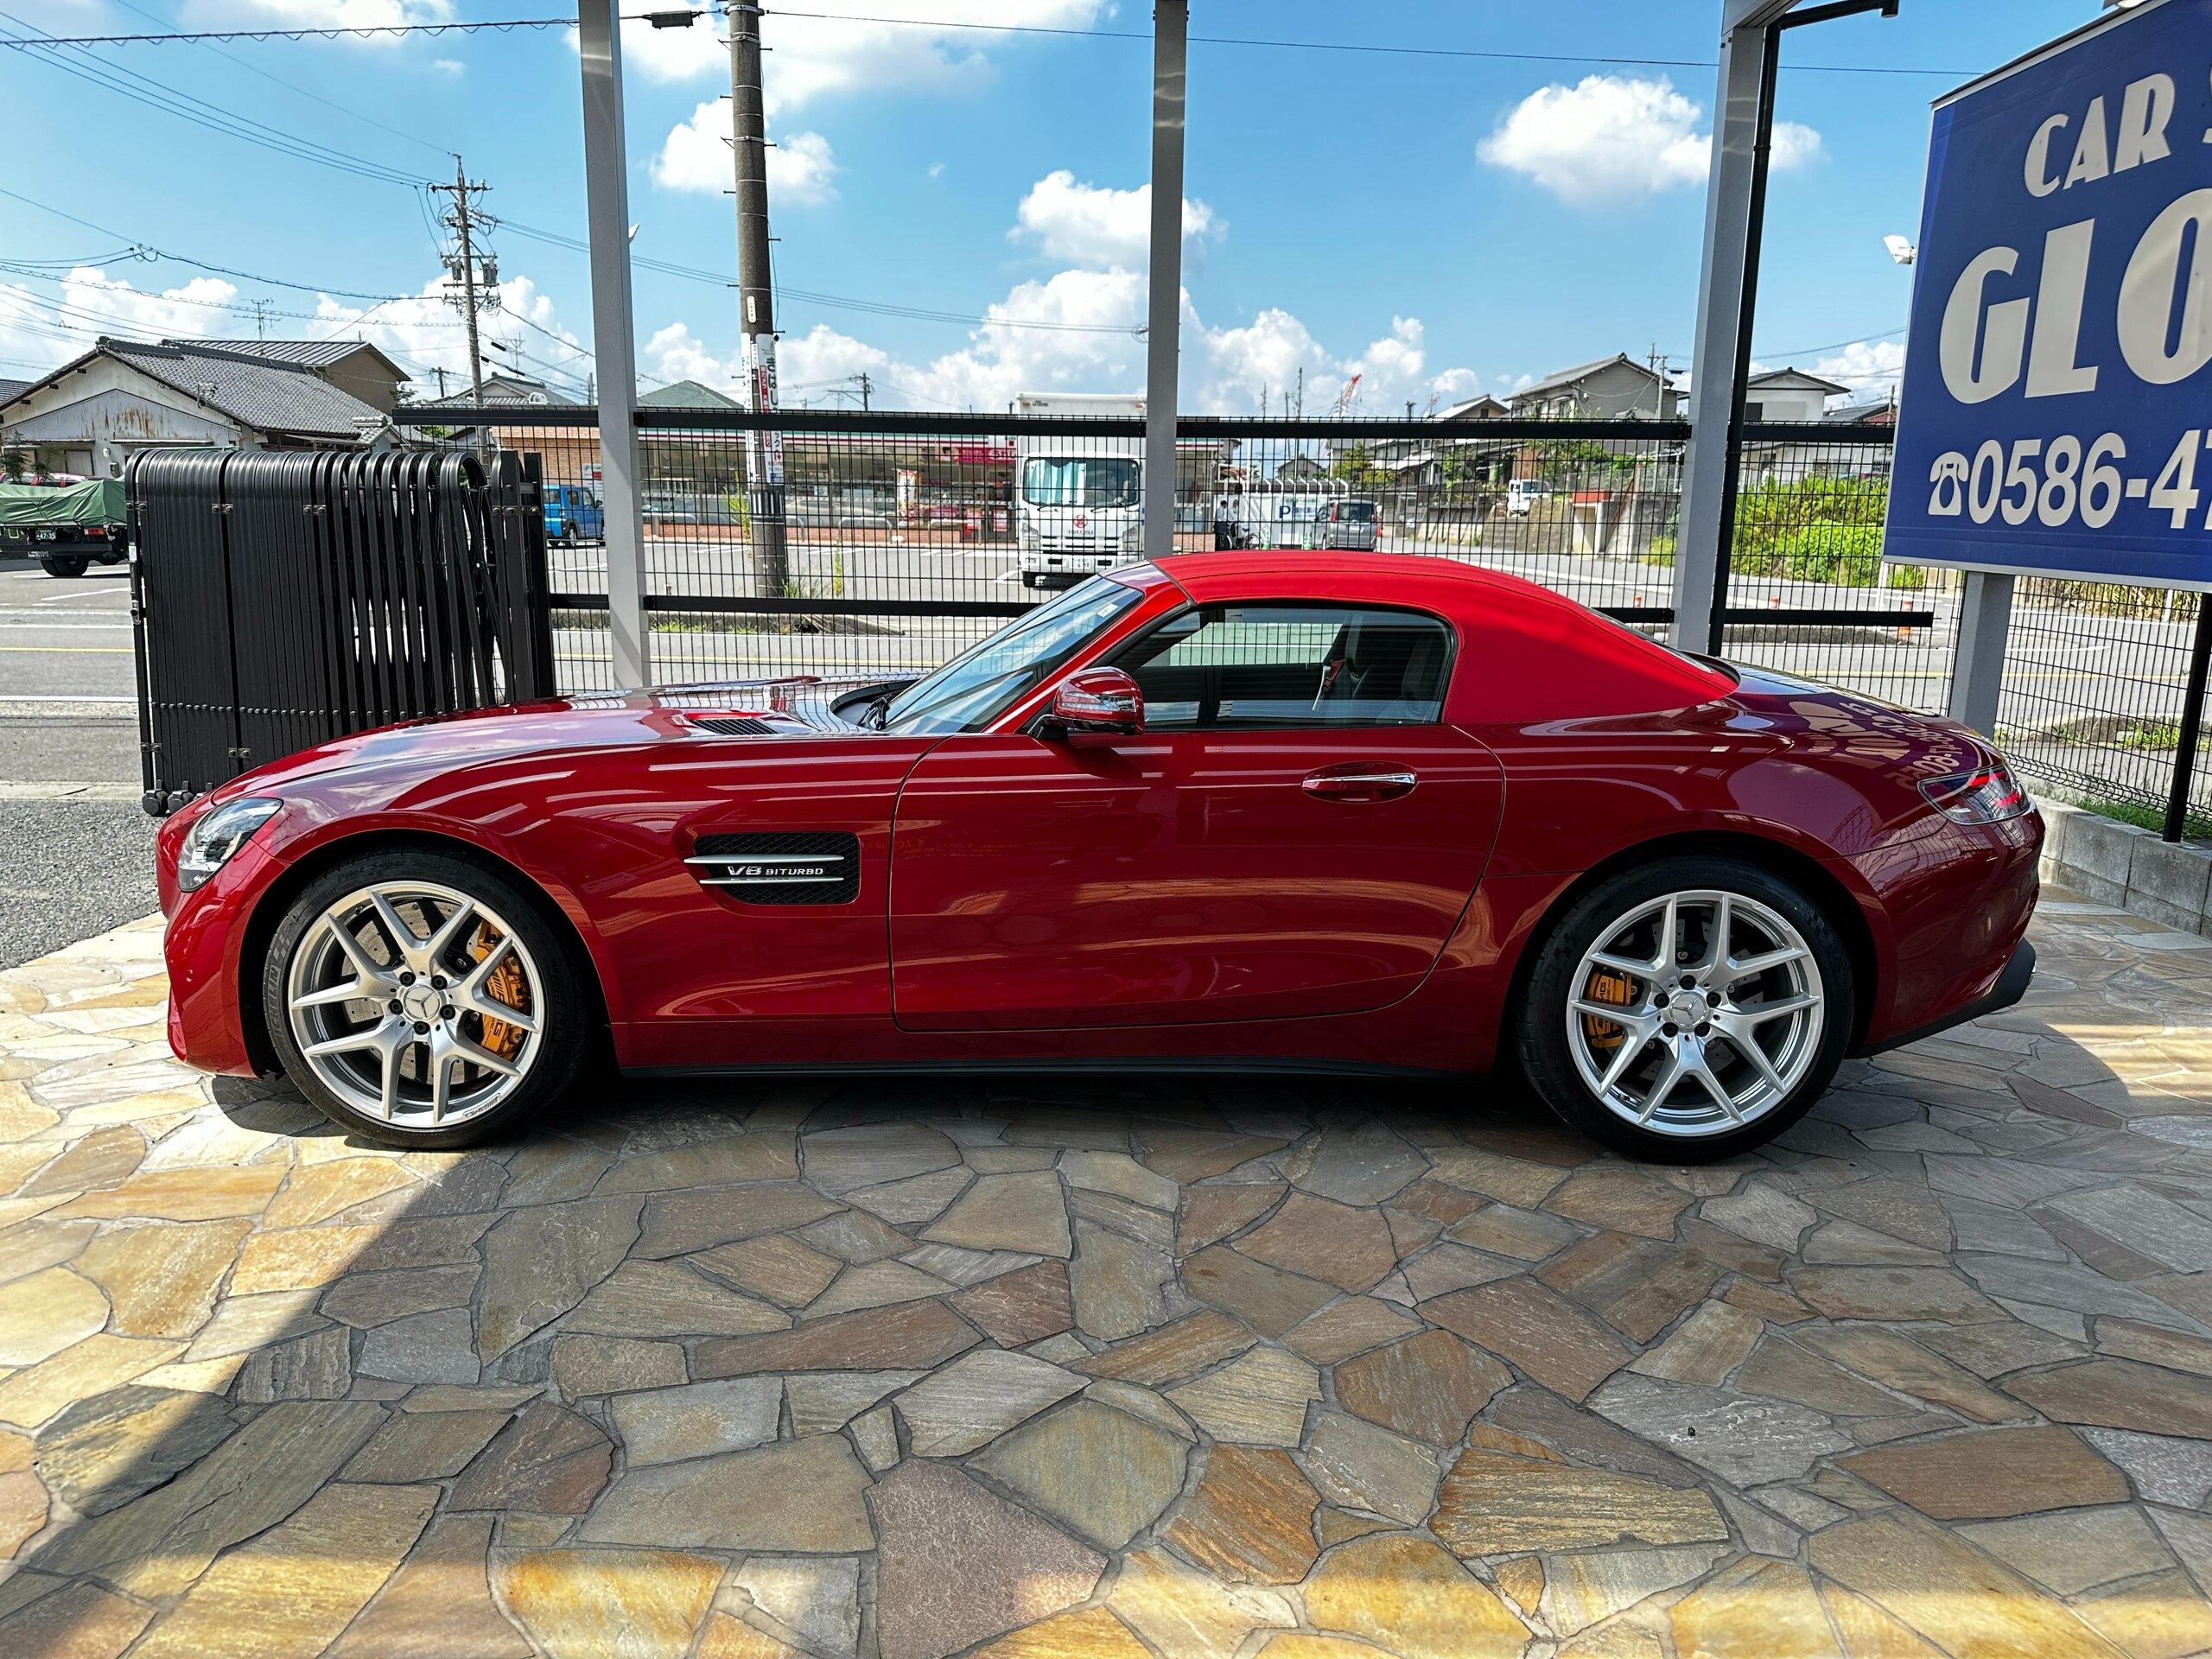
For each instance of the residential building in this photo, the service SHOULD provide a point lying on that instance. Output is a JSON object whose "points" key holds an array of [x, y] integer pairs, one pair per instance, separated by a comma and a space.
{"points": [[89, 415], [1617, 388], [352, 366], [687, 394]]}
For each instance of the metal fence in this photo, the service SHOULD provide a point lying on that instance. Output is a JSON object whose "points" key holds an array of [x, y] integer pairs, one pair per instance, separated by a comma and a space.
{"points": [[906, 538], [280, 600]]}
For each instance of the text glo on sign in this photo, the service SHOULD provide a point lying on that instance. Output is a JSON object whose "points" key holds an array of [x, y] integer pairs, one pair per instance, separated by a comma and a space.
{"points": [[2057, 408]]}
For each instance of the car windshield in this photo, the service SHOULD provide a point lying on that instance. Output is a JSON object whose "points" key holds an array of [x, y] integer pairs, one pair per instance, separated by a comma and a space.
{"points": [[976, 688], [1355, 513], [1079, 481]]}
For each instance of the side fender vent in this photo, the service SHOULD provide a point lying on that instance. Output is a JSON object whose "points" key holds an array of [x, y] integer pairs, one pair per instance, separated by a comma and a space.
{"points": [[780, 867]]}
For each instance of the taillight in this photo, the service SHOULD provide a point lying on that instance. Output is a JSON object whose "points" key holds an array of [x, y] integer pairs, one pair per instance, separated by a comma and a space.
{"points": [[1986, 795]]}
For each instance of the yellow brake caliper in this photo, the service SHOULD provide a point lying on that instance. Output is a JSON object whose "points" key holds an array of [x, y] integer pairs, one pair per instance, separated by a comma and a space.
{"points": [[506, 985], [1616, 989]]}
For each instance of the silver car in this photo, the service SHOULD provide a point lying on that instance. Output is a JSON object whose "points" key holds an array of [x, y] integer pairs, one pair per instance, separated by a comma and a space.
{"points": [[1348, 526]]}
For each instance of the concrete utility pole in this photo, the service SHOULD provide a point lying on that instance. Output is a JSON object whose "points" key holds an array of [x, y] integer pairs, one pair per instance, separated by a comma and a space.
{"points": [[461, 267], [1171, 29], [607, 202], [764, 449]]}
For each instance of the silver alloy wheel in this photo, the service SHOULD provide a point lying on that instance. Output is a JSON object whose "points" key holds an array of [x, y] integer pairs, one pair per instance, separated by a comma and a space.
{"points": [[1695, 1014], [415, 1004]]}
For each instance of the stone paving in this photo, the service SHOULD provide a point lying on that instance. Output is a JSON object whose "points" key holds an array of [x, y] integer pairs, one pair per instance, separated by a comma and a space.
{"points": [[898, 1370]]}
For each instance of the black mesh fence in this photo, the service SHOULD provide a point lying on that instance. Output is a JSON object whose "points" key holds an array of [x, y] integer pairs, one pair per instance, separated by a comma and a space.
{"points": [[906, 538], [2094, 674]]}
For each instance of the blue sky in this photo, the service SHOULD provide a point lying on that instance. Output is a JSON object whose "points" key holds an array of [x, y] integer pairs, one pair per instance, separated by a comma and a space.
{"points": [[1438, 225]]}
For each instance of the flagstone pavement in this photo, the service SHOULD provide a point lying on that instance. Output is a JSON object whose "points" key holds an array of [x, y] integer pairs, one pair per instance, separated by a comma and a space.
{"points": [[888, 1369]]}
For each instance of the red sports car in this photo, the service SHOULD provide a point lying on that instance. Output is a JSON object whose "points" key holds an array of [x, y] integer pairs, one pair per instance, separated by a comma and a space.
{"points": [[1336, 813]]}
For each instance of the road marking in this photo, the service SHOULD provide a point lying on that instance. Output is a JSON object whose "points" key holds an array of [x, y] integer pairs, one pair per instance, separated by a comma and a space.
{"points": [[70, 650], [70, 792]]}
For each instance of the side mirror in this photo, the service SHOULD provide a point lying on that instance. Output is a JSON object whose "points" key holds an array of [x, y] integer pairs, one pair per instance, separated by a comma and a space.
{"points": [[1097, 706]]}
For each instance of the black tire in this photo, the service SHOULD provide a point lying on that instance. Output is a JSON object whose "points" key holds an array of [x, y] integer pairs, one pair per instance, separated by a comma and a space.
{"points": [[571, 1024], [1031, 579], [68, 566], [1544, 1045]]}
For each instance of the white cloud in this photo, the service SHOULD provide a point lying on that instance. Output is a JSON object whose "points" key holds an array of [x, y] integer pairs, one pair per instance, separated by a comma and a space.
{"points": [[1867, 369], [822, 356], [423, 332], [449, 65], [1096, 225], [696, 156], [1267, 355], [1077, 331], [49, 331], [918, 45], [807, 365], [319, 14], [1615, 139]]}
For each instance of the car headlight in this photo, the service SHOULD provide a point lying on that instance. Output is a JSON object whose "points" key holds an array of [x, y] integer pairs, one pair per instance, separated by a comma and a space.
{"points": [[1986, 795], [1133, 539], [210, 842]]}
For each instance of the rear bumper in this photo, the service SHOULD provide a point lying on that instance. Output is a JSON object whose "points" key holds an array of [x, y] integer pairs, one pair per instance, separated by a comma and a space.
{"points": [[2012, 985]]}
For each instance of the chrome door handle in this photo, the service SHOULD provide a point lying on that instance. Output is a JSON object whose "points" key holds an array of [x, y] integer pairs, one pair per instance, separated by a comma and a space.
{"points": [[1356, 783]]}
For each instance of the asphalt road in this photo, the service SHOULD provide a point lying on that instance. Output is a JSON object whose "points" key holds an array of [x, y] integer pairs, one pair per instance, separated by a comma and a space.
{"points": [[80, 849]]}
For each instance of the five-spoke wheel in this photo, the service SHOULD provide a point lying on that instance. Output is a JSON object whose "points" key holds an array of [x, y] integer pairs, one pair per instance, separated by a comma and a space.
{"points": [[420, 997], [1686, 1009]]}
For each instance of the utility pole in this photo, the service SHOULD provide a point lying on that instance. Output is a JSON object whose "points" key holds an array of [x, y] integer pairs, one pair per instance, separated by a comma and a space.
{"points": [[439, 369], [461, 267], [867, 386], [763, 447]]}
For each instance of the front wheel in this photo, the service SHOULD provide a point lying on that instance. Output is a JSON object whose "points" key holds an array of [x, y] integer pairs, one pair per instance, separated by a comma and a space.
{"points": [[1688, 1010], [424, 998]]}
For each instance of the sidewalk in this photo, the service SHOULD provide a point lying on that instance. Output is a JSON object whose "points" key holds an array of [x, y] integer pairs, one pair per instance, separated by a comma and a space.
{"points": [[888, 1369]]}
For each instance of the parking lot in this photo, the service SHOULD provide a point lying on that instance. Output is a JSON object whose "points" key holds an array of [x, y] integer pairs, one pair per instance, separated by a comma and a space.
{"points": [[897, 1370]]}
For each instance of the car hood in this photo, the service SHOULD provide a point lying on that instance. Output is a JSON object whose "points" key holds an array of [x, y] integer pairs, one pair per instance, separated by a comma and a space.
{"points": [[740, 710]]}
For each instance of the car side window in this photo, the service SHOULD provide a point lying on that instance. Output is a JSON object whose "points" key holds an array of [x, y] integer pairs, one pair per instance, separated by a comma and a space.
{"points": [[1217, 667]]}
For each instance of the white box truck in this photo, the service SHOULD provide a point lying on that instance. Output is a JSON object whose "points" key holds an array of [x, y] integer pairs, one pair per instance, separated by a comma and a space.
{"points": [[1078, 501]]}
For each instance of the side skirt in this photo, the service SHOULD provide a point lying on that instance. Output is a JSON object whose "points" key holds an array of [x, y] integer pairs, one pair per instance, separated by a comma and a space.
{"points": [[1042, 1067]]}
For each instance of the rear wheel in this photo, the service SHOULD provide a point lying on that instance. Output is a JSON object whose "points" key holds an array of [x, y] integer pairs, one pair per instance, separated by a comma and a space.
{"points": [[424, 998], [1688, 1010], [67, 565]]}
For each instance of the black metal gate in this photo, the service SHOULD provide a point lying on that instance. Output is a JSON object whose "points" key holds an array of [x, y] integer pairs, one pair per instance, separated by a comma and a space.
{"points": [[280, 600]]}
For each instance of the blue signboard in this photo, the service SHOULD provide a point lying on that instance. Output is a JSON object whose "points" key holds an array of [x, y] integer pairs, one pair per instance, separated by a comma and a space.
{"points": [[2057, 412]]}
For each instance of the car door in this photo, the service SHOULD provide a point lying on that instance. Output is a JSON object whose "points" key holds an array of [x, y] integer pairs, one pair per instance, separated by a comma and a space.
{"points": [[1294, 833]]}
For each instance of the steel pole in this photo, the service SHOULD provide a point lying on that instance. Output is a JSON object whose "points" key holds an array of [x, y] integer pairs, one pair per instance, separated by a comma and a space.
{"points": [[1171, 29], [2192, 723], [1977, 663], [1731, 193], [606, 197]]}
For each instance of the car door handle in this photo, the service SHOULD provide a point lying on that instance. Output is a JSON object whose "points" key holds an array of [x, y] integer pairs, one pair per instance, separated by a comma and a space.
{"points": [[1360, 783]]}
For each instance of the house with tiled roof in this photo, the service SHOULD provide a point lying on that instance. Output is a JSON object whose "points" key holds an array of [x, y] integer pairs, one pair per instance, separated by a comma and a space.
{"points": [[89, 415]]}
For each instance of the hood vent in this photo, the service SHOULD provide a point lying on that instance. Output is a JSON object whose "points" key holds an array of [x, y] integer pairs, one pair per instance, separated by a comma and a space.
{"points": [[732, 725]]}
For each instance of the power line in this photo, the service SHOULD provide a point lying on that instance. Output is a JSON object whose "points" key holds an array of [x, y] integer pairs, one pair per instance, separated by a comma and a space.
{"points": [[141, 89], [317, 98], [1350, 46], [503, 25]]}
